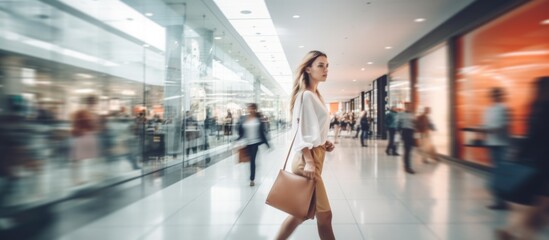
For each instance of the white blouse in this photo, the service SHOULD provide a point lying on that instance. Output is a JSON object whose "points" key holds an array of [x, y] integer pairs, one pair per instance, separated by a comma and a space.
{"points": [[314, 122]]}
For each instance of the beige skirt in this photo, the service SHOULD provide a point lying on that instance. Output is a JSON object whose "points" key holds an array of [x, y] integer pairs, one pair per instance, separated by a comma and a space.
{"points": [[298, 164]]}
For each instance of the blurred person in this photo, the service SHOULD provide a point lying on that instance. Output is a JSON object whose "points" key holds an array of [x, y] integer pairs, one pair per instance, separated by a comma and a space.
{"points": [[192, 132], [364, 127], [495, 126], [332, 120], [391, 118], [530, 208], [344, 122], [311, 142], [16, 144], [337, 127], [352, 122], [405, 125], [252, 129], [424, 126], [357, 129], [138, 129], [122, 144], [85, 144], [228, 123]]}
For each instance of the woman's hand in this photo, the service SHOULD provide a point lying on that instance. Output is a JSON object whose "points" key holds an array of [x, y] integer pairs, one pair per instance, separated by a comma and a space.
{"points": [[329, 146], [309, 170]]}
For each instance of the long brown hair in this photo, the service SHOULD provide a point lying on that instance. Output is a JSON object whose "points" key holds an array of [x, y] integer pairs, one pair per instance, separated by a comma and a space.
{"points": [[302, 80]]}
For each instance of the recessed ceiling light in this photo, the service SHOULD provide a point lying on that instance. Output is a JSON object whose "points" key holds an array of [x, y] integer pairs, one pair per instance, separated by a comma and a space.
{"points": [[258, 33], [419, 20], [301, 46], [362, 69], [149, 14], [370, 63], [545, 22], [218, 38], [296, 16], [262, 40], [354, 80], [146, 45], [245, 12], [388, 47], [237, 60]]}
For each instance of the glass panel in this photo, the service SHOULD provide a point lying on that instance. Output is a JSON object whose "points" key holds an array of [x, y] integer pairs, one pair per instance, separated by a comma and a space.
{"points": [[399, 87], [432, 87], [509, 53], [85, 107]]}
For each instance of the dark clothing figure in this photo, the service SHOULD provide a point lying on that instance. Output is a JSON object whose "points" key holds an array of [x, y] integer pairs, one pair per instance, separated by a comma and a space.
{"points": [[364, 127], [406, 126], [254, 132], [391, 125], [534, 150]]}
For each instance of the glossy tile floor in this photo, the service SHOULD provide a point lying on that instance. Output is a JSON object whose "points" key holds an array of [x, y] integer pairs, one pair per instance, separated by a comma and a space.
{"points": [[371, 198]]}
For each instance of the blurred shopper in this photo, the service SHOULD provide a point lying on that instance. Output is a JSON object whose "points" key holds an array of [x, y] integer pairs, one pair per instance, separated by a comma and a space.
{"points": [[337, 127], [364, 127], [311, 142], [406, 126], [424, 126], [192, 133], [228, 124], [85, 132], [358, 126], [16, 147], [495, 125], [531, 207], [391, 125], [253, 131]]}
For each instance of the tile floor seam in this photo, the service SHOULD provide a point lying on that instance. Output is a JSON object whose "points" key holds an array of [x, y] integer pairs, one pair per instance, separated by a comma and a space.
{"points": [[348, 205], [156, 226], [244, 209]]}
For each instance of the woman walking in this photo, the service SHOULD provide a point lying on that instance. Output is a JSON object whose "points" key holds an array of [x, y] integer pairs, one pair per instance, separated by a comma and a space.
{"points": [[311, 141], [253, 130]]}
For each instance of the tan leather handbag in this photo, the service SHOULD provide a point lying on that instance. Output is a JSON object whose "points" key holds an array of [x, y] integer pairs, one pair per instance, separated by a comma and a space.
{"points": [[292, 193], [243, 155]]}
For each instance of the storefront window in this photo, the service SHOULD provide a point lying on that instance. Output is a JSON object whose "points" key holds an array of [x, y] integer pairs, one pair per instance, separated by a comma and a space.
{"points": [[399, 87], [432, 88], [508, 53], [85, 106]]}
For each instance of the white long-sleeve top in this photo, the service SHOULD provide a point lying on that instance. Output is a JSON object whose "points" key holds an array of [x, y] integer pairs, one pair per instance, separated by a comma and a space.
{"points": [[314, 122], [496, 117]]}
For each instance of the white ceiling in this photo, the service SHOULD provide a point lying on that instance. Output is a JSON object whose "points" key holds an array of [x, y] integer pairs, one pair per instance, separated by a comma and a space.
{"points": [[353, 33]]}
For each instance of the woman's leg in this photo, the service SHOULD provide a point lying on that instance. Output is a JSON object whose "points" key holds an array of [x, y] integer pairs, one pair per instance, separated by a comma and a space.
{"points": [[324, 224], [252, 152], [288, 227]]}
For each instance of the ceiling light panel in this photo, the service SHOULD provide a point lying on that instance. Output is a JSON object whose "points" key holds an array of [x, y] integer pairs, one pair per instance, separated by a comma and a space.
{"points": [[232, 9], [247, 27], [257, 29], [112, 12]]}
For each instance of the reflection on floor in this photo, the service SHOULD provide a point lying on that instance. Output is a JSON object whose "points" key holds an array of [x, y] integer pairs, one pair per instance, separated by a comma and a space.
{"points": [[371, 198]]}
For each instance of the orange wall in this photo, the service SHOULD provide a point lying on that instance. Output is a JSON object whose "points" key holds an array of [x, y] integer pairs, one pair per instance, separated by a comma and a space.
{"points": [[334, 107]]}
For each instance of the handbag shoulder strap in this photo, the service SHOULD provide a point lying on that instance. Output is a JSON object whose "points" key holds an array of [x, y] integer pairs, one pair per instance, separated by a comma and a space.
{"points": [[296, 130]]}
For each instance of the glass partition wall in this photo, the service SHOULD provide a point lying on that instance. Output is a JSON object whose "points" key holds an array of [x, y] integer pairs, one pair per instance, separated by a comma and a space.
{"points": [[84, 105]]}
